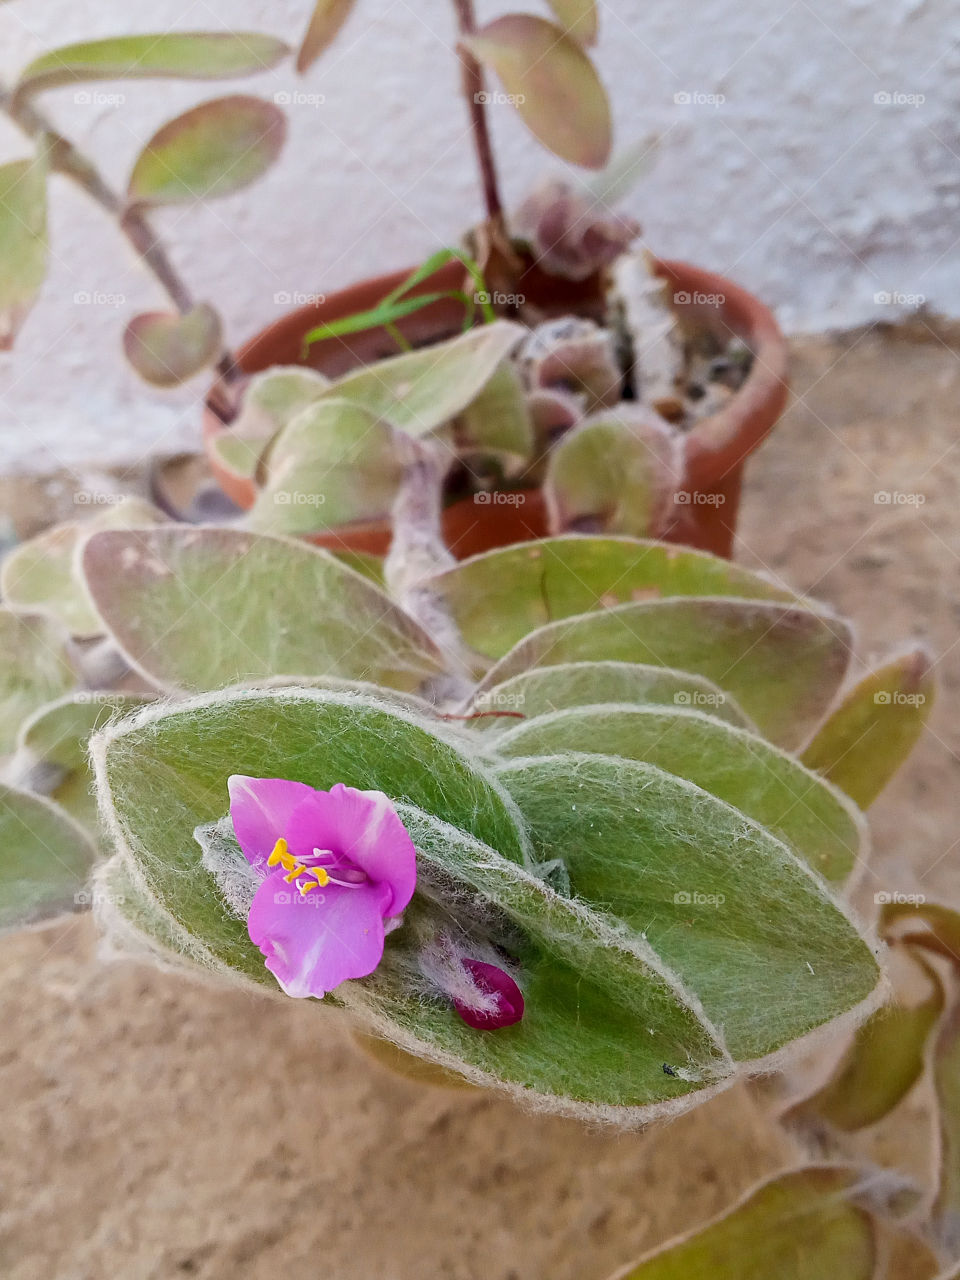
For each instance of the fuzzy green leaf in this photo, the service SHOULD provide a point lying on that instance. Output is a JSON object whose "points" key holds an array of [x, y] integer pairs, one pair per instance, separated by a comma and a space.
{"points": [[798, 1226], [271, 400], [782, 665], [45, 859], [616, 473], [167, 349], [325, 23], [52, 747], [200, 608], [333, 464], [580, 684], [212, 150], [24, 249], [498, 422], [422, 390], [871, 733], [770, 787], [33, 669], [42, 573], [884, 1062], [501, 595], [189, 55], [553, 85], [728, 907]]}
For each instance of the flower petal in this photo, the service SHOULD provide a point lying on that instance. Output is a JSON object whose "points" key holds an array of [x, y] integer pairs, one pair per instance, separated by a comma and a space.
{"points": [[365, 828], [261, 809], [313, 943]]}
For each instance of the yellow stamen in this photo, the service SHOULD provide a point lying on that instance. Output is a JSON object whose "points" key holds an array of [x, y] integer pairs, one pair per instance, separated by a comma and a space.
{"points": [[280, 854], [321, 881], [295, 870]]}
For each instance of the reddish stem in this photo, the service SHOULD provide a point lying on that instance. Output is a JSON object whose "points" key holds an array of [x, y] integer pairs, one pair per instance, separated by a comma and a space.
{"points": [[474, 93]]}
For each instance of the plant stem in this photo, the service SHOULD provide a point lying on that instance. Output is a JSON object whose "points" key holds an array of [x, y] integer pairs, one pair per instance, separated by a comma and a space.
{"points": [[473, 92], [418, 551], [67, 159]]}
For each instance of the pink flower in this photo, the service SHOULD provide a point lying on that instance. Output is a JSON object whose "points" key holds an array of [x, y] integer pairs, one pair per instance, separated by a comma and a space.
{"points": [[498, 1002], [336, 865]]}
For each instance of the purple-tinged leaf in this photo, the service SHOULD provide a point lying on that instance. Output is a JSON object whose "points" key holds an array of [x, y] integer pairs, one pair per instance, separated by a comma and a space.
{"points": [[212, 150], [325, 24], [552, 83], [167, 349]]}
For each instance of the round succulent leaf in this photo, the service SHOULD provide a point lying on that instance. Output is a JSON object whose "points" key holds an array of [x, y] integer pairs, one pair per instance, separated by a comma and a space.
{"points": [[747, 928], [578, 684], [24, 246], [212, 150], [873, 730], [167, 349], [420, 391], [498, 597], [334, 464], [45, 860], [783, 665], [802, 1225], [33, 669], [326, 21], [271, 400], [41, 574], [163, 773], [189, 55], [552, 83], [772, 788], [578, 18], [201, 608], [614, 474]]}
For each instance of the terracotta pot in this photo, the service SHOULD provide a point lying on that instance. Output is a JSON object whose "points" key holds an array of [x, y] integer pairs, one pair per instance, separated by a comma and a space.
{"points": [[716, 449]]}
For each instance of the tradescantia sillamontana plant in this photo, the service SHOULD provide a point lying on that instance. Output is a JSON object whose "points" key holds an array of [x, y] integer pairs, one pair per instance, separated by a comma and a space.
{"points": [[596, 745]]}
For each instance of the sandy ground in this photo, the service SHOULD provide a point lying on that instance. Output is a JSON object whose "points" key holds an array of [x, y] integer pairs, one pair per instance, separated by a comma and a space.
{"points": [[153, 1129]]}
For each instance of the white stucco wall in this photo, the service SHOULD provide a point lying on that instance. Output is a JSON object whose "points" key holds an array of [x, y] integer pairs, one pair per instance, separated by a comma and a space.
{"points": [[799, 183]]}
